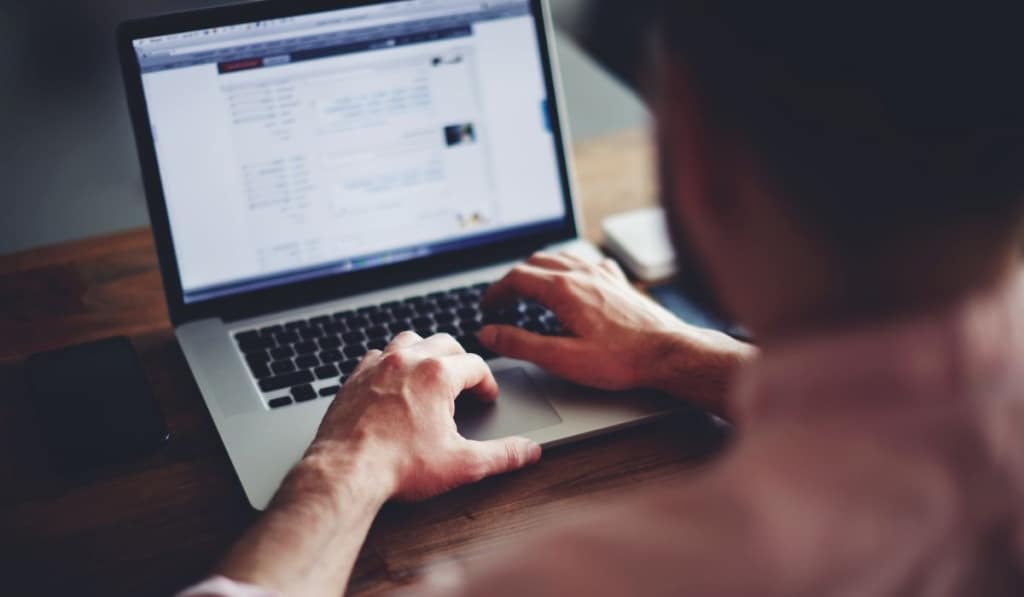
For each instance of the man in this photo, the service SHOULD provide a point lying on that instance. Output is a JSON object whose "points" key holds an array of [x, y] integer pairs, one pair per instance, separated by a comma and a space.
{"points": [[849, 181]]}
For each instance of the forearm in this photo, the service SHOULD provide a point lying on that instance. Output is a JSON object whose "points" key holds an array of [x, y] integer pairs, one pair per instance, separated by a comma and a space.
{"points": [[700, 371], [309, 538]]}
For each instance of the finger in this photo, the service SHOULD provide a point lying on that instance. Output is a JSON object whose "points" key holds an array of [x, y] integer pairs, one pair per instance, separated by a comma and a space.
{"points": [[559, 355], [550, 261], [501, 456], [612, 267], [369, 359], [403, 340], [438, 345], [527, 281], [471, 374], [577, 262]]}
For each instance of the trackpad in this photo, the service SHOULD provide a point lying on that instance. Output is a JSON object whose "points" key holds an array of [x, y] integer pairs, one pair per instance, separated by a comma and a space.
{"points": [[521, 408]]}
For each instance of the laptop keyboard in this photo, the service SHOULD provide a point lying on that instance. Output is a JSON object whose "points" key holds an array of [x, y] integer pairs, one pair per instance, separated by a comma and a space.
{"points": [[309, 359]]}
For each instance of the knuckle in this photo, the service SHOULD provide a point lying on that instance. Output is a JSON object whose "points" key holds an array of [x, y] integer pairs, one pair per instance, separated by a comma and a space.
{"points": [[393, 361], [518, 272], [564, 284], [449, 340], [432, 368], [406, 335], [512, 454]]}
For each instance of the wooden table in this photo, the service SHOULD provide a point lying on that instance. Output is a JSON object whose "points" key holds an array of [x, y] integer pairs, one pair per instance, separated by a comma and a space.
{"points": [[155, 526]]}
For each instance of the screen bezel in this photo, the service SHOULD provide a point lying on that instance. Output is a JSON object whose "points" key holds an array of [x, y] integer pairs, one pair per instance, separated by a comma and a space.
{"points": [[331, 287]]}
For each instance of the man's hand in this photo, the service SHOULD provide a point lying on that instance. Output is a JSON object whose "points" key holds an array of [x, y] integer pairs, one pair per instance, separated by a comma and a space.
{"points": [[390, 433], [618, 338], [398, 408]]}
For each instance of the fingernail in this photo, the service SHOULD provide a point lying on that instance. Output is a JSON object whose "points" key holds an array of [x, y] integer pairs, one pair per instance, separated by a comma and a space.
{"points": [[532, 450], [488, 335]]}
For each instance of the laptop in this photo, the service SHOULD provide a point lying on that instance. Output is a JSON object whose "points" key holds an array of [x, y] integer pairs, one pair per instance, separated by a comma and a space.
{"points": [[324, 175]]}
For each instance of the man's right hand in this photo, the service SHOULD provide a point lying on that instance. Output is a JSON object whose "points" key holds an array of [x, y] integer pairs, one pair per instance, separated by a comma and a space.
{"points": [[618, 339]]}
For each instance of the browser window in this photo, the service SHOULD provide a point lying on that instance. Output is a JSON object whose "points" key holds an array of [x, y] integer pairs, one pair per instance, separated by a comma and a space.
{"points": [[326, 143]]}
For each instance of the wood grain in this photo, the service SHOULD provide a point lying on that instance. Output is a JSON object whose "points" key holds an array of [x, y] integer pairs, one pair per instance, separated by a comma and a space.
{"points": [[155, 526]]}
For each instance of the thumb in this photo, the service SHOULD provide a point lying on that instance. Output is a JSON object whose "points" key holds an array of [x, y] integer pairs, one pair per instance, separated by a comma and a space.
{"points": [[516, 343], [504, 455], [567, 357]]}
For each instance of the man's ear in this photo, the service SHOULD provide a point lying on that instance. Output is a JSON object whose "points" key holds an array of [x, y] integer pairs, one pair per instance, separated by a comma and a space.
{"points": [[685, 146]]}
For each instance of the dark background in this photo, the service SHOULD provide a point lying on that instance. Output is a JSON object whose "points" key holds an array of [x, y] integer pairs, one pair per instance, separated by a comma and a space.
{"points": [[69, 168]]}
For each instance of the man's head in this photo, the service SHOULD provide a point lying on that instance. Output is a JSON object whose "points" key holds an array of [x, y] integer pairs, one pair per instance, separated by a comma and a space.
{"points": [[839, 161]]}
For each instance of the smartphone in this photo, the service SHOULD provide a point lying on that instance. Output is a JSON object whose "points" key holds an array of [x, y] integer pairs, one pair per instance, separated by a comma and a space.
{"points": [[93, 404]]}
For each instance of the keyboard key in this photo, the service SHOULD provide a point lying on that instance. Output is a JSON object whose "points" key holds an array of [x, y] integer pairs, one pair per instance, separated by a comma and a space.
{"points": [[470, 326], [403, 313], [280, 354], [271, 330], [451, 330], [305, 348], [280, 367], [357, 323], [355, 351], [437, 295], [304, 393], [321, 320], [330, 392], [348, 366], [344, 314], [505, 316], [245, 336], [287, 338], [390, 305], [473, 346], [425, 332], [258, 357], [307, 361], [447, 303], [354, 338], [296, 325], [381, 317], [260, 370], [280, 402], [330, 342], [422, 322], [326, 372], [281, 382], [336, 328], [378, 332], [368, 310], [400, 326], [466, 314], [378, 344], [427, 308], [312, 333], [331, 356], [535, 326], [415, 300], [445, 317], [255, 345]]}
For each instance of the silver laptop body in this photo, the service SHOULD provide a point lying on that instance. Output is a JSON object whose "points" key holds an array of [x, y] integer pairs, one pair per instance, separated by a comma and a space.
{"points": [[323, 175]]}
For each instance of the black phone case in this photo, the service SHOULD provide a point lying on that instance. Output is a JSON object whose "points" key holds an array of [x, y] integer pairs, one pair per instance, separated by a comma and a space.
{"points": [[93, 404]]}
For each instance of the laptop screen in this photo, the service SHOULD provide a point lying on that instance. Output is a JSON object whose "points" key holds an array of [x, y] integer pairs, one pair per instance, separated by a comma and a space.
{"points": [[325, 143]]}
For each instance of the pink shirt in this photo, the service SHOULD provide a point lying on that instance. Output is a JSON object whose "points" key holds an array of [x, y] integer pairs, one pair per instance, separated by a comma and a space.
{"points": [[881, 461]]}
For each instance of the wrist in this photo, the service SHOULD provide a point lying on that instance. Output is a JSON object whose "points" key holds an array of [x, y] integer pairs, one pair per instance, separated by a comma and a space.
{"points": [[338, 474], [697, 365]]}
